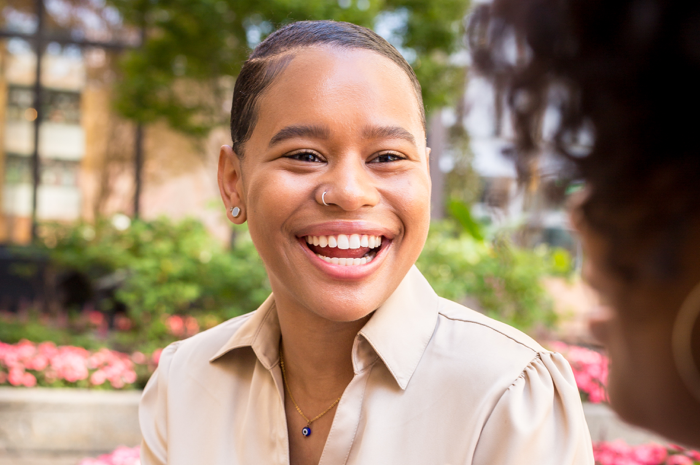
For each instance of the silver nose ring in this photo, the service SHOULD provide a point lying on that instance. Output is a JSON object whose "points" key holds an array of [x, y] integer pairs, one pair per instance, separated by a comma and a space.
{"points": [[323, 199]]}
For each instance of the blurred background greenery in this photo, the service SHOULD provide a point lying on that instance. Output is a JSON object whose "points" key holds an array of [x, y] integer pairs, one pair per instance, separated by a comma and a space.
{"points": [[195, 48], [142, 275]]}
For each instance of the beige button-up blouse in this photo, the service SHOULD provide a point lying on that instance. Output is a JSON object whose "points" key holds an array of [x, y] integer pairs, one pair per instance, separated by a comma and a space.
{"points": [[435, 383]]}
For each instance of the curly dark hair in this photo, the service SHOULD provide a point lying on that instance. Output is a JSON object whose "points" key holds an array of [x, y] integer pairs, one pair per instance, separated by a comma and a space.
{"points": [[621, 71]]}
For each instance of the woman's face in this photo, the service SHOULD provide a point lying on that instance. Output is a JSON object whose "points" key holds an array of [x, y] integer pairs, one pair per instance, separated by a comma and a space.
{"points": [[347, 123], [636, 328]]}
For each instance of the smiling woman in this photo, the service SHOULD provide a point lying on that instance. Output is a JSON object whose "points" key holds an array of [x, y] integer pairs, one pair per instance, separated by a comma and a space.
{"points": [[353, 358]]}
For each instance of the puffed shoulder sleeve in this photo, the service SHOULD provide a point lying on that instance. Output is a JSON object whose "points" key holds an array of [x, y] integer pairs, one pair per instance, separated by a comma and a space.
{"points": [[538, 421], [153, 412]]}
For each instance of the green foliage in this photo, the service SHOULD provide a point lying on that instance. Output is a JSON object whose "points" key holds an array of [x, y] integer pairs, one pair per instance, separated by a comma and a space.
{"points": [[194, 48], [13, 330], [461, 212], [161, 268], [496, 277], [561, 261]]}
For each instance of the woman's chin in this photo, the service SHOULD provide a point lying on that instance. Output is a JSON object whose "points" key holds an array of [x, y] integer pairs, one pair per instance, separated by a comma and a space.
{"points": [[348, 315], [346, 305]]}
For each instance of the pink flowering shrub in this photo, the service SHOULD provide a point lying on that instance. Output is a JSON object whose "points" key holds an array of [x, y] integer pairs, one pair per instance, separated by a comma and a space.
{"points": [[605, 453], [120, 456], [181, 326], [590, 370], [619, 453], [28, 364]]}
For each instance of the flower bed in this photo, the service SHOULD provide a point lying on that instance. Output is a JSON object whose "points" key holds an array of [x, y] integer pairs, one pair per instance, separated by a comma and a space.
{"points": [[606, 453], [120, 456], [619, 453], [590, 370], [28, 364]]}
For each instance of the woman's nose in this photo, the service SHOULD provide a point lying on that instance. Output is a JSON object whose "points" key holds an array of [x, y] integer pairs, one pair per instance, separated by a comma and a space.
{"points": [[351, 186]]}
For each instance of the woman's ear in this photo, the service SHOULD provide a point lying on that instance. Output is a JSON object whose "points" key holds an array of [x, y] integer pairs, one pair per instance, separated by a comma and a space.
{"points": [[231, 184]]}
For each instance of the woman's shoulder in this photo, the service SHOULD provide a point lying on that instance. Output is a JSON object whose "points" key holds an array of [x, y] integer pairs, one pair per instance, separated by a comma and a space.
{"points": [[462, 318], [486, 349], [489, 358]]}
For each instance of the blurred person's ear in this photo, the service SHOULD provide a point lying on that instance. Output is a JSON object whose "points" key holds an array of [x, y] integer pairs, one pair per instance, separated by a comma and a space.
{"points": [[231, 183]]}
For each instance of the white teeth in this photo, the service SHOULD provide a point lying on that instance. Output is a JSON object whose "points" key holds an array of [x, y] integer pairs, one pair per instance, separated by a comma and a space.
{"points": [[343, 242], [345, 261]]}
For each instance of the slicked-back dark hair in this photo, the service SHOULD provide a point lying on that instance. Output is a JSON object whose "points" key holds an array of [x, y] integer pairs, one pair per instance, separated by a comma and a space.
{"points": [[273, 54], [629, 72]]}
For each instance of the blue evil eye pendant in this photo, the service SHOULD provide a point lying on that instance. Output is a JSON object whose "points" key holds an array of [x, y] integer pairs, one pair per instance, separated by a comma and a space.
{"points": [[306, 431]]}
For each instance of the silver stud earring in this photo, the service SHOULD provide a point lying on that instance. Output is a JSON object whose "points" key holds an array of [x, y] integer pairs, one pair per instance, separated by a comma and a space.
{"points": [[235, 212]]}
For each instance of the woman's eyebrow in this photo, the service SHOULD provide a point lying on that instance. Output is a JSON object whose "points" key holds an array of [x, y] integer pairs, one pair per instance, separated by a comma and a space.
{"points": [[290, 132], [388, 132]]}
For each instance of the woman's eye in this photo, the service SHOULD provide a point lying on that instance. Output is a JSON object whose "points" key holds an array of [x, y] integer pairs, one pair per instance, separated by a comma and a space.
{"points": [[306, 157], [386, 158]]}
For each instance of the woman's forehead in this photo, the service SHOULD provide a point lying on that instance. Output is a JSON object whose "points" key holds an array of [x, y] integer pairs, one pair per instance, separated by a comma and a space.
{"points": [[327, 57], [330, 86]]}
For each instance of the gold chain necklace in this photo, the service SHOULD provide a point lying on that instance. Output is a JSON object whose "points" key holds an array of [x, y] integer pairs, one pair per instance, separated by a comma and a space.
{"points": [[306, 431]]}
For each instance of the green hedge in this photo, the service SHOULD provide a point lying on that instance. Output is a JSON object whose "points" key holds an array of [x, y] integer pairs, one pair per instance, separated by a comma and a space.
{"points": [[167, 268], [494, 276], [163, 268]]}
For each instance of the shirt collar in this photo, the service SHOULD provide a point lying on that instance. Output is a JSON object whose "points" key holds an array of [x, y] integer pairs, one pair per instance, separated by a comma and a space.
{"points": [[261, 332], [399, 330]]}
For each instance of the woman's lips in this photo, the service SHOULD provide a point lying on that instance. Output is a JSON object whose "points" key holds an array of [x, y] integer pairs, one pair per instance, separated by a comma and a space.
{"points": [[347, 263], [346, 249]]}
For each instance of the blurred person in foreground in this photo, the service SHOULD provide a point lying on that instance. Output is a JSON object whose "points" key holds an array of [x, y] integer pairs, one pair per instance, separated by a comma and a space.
{"points": [[619, 81], [353, 359]]}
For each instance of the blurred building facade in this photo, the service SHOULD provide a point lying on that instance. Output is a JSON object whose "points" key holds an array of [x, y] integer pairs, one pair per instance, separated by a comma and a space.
{"points": [[62, 144], [86, 151]]}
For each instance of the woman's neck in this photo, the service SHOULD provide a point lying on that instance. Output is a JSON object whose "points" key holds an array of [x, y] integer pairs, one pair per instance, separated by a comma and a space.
{"points": [[317, 351]]}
